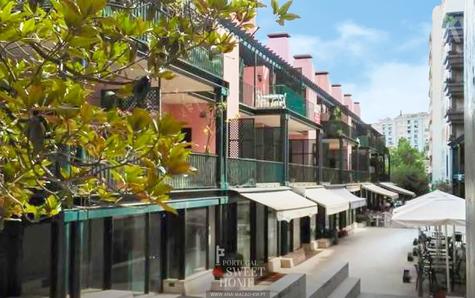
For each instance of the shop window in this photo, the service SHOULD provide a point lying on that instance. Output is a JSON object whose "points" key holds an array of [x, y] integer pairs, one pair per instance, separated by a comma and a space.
{"points": [[36, 260], [272, 232], [92, 256], [196, 240], [296, 234], [128, 253], [244, 230]]}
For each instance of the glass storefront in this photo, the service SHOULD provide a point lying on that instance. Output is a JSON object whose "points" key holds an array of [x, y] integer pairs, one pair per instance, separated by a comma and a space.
{"points": [[313, 227], [297, 243], [244, 229], [272, 233], [128, 253], [36, 260], [196, 240], [92, 256]]}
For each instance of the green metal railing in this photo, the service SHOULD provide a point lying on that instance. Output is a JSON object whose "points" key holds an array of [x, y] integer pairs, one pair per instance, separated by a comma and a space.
{"points": [[199, 57], [302, 173], [248, 172], [258, 98], [204, 177], [293, 100], [330, 175], [242, 172]]}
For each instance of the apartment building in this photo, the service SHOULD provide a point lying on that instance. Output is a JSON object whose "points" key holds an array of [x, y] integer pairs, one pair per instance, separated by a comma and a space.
{"points": [[446, 93], [412, 127], [261, 161]]}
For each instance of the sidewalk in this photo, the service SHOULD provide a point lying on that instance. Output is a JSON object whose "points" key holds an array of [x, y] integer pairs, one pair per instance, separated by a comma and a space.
{"points": [[376, 255]]}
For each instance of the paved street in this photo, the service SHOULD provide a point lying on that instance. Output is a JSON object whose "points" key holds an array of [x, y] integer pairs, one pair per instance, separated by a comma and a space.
{"points": [[376, 255]]}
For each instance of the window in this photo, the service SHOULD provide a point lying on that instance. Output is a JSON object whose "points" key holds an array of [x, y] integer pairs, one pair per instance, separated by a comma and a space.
{"points": [[187, 131]]}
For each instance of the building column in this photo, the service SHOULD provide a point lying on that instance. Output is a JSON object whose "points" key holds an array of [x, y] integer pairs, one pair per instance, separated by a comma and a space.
{"points": [[320, 156], [469, 126], [284, 129], [221, 137], [341, 158]]}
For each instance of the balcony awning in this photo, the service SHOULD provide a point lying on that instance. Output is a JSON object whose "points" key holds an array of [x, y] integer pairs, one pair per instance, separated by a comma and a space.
{"points": [[379, 190], [332, 202], [393, 187], [287, 204], [353, 187]]}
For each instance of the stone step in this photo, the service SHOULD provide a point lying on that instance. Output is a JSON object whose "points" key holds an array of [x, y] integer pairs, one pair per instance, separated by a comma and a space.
{"points": [[349, 288], [323, 284]]}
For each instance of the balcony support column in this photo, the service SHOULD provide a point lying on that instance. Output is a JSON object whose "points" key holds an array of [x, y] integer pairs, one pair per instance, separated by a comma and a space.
{"points": [[284, 129], [319, 157], [341, 157], [221, 137], [357, 165]]}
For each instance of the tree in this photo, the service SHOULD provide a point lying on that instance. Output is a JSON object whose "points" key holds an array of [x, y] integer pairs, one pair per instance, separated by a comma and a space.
{"points": [[408, 168], [54, 54]]}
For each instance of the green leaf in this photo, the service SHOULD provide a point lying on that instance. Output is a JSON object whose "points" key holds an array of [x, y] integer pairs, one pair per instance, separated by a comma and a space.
{"points": [[285, 7], [275, 6]]}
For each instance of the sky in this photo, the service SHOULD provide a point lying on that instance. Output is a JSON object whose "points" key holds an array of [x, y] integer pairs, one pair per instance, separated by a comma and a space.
{"points": [[377, 49]]}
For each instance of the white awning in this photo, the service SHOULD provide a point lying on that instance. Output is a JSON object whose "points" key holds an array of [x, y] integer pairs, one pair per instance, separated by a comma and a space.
{"points": [[332, 202], [287, 204], [355, 202], [379, 190], [393, 187], [353, 187]]}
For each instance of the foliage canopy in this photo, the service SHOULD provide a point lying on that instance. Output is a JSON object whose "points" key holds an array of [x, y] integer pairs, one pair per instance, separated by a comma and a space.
{"points": [[54, 55]]}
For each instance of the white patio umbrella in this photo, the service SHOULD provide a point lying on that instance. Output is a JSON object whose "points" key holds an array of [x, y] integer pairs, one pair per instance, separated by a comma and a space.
{"points": [[437, 194], [434, 209]]}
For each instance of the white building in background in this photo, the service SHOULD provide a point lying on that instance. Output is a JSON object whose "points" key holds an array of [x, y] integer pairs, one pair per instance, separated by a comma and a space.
{"points": [[439, 131], [412, 127]]}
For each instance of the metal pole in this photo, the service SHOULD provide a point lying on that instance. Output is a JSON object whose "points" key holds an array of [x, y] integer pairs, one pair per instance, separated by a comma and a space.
{"points": [[469, 127], [447, 259]]}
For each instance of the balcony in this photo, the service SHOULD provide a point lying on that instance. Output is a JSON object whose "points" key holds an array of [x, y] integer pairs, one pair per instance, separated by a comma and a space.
{"points": [[248, 172], [454, 60], [302, 173], [330, 175], [336, 129], [198, 57], [374, 142], [277, 97], [454, 88], [455, 116], [204, 177]]}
